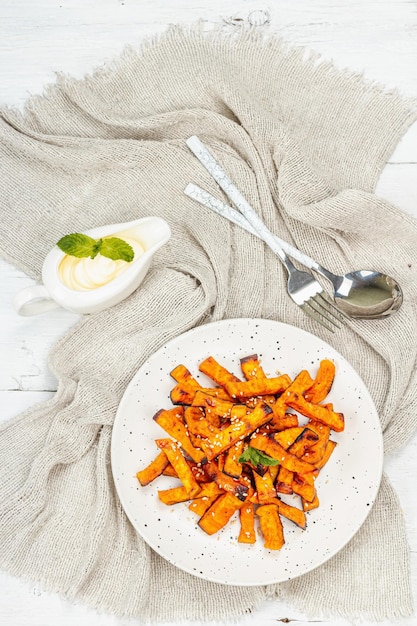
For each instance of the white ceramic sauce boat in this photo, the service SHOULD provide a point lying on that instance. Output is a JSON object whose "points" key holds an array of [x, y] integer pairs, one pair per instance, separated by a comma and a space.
{"points": [[151, 232]]}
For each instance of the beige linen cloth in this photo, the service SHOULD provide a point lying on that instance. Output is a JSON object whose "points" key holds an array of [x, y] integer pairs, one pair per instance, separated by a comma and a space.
{"points": [[305, 143]]}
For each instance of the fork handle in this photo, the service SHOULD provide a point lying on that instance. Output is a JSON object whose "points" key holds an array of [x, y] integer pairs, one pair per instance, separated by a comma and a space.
{"points": [[222, 179], [206, 199], [247, 218]]}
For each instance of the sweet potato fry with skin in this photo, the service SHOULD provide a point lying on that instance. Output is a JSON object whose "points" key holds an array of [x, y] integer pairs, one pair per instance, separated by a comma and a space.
{"points": [[271, 526], [284, 480], [200, 505], [180, 494], [239, 410], [174, 495], [315, 453], [292, 513], [153, 470], [197, 423], [303, 442], [288, 420], [316, 412], [273, 470], [183, 375], [216, 372], [309, 506], [286, 437], [211, 404], [299, 385], [247, 524], [219, 513], [239, 429], [327, 454], [257, 387], [170, 422], [274, 450], [232, 467], [251, 368], [173, 451], [184, 394], [264, 487], [302, 488], [322, 383], [224, 482]]}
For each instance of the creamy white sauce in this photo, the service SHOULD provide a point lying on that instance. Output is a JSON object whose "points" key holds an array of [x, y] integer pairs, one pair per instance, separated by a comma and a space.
{"points": [[85, 274]]}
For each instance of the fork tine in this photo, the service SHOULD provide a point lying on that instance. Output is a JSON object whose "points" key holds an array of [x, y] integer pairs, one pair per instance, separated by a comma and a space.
{"points": [[332, 308], [323, 311], [309, 310]]}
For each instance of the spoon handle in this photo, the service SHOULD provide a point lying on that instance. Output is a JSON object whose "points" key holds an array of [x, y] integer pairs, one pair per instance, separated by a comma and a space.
{"points": [[247, 215], [210, 202]]}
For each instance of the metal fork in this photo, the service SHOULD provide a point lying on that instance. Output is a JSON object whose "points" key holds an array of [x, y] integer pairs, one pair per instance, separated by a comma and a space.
{"points": [[303, 288]]}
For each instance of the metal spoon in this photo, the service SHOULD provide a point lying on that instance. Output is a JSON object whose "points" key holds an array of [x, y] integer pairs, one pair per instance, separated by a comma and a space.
{"points": [[362, 294]]}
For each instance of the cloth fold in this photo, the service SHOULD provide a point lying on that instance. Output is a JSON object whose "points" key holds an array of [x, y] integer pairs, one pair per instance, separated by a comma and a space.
{"points": [[305, 143]]}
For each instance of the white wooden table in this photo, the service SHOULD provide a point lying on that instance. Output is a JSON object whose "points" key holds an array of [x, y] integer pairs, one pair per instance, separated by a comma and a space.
{"points": [[40, 38]]}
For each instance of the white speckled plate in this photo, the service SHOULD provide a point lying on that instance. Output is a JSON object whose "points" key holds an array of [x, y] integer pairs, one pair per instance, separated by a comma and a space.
{"points": [[347, 486]]}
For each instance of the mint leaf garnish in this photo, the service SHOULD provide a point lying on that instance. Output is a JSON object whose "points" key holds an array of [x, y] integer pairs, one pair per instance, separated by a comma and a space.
{"points": [[115, 248], [256, 457], [80, 245]]}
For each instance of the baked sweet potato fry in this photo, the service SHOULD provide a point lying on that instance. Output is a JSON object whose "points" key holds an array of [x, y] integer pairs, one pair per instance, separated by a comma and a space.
{"points": [[225, 482], [219, 513], [264, 487], [292, 513], [299, 385], [316, 412], [314, 454], [184, 394], [309, 506], [200, 505], [180, 494], [331, 445], [247, 524], [322, 383], [251, 367], [153, 470], [257, 387], [173, 451], [303, 442], [271, 526], [212, 404], [181, 374], [284, 480], [232, 466], [239, 429], [302, 487], [275, 451], [170, 421], [197, 422], [211, 368], [174, 495], [286, 437]]}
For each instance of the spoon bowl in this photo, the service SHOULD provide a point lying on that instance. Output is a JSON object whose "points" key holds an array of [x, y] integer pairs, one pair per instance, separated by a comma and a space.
{"points": [[364, 294]]}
